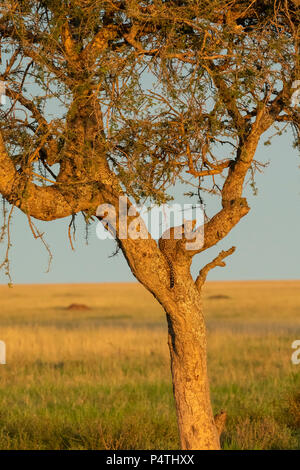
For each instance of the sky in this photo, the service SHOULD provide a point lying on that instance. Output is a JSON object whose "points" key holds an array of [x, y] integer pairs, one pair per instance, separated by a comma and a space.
{"points": [[267, 239]]}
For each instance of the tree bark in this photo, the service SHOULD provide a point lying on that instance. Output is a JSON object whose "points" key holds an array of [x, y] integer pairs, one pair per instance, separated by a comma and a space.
{"points": [[188, 354], [187, 345], [186, 337]]}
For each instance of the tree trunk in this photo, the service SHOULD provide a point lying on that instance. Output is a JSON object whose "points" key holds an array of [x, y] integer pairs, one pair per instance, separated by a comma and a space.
{"points": [[186, 337], [187, 344]]}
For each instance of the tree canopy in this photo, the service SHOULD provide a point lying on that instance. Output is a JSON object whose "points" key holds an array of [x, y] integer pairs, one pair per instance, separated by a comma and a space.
{"points": [[149, 94]]}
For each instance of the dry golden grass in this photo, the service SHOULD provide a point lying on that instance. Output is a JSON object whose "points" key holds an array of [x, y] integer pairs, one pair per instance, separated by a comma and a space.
{"points": [[100, 378]]}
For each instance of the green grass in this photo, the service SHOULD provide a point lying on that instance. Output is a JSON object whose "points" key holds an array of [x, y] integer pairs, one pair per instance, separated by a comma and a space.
{"points": [[100, 379]]}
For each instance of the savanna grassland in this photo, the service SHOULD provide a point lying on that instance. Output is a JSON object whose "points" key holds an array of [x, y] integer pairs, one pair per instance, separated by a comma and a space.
{"points": [[100, 379]]}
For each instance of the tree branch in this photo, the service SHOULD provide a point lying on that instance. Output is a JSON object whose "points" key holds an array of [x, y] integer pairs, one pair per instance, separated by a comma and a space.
{"points": [[69, 45], [215, 169], [42, 202], [218, 261], [99, 43], [28, 104]]}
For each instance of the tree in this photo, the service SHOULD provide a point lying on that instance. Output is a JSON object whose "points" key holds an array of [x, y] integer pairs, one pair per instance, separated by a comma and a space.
{"points": [[222, 74]]}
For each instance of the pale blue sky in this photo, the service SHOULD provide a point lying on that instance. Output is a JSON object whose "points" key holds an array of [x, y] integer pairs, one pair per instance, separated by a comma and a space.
{"points": [[267, 239]]}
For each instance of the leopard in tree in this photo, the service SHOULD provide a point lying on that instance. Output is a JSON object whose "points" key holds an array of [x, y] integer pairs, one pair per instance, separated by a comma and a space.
{"points": [[168, 243], [163, 246]]}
